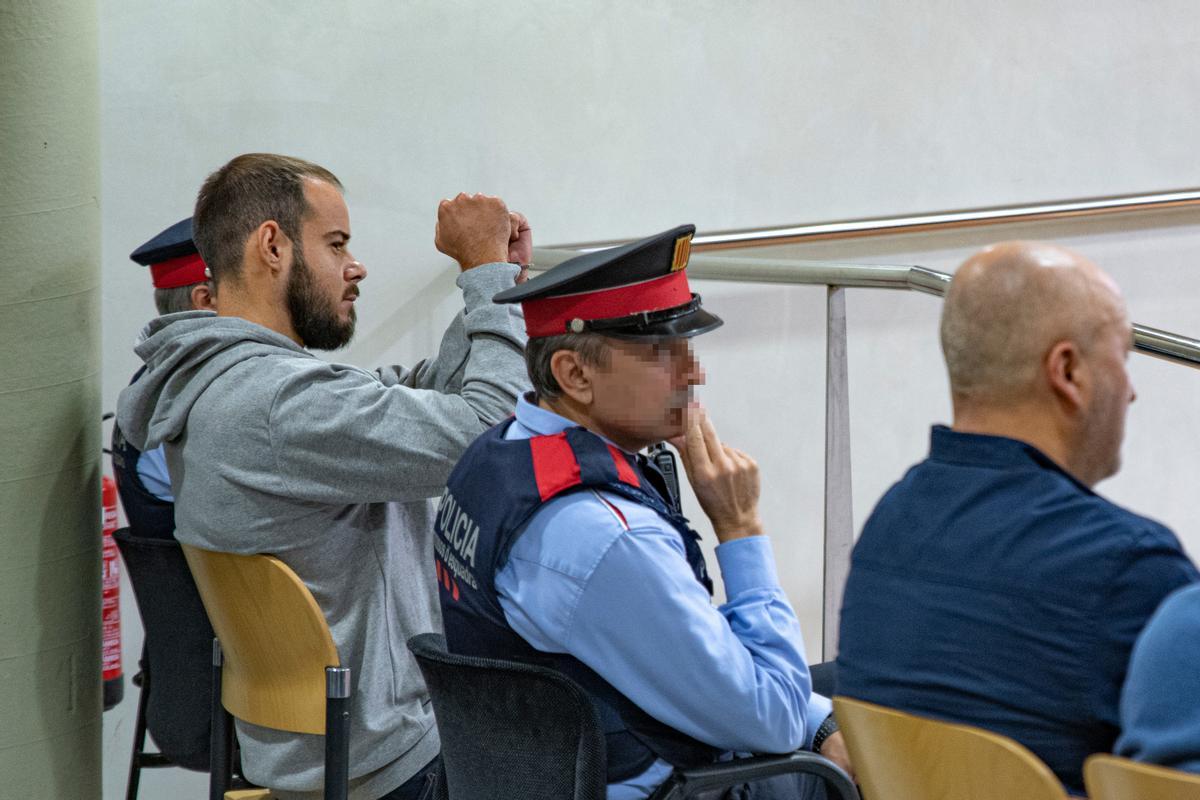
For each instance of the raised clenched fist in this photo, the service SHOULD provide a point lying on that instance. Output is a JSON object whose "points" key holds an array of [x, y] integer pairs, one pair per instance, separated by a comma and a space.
{"points": [[473, 229]]}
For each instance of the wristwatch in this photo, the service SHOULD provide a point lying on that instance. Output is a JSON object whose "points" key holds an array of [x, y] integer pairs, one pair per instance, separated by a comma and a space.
{"points": [[828, 728]]}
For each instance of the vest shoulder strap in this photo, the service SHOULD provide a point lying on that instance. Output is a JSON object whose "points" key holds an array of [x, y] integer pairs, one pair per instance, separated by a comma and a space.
{"points": [[576, 457]]}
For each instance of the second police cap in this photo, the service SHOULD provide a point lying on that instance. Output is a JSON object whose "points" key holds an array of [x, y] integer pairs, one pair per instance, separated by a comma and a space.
{"points": [[635, 291], [172, 257]]}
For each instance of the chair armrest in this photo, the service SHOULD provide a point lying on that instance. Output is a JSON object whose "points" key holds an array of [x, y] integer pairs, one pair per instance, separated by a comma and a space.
{"points": [[686, 782]]}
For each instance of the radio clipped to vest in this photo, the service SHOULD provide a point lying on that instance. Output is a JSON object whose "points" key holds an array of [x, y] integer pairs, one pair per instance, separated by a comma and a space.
{"points": [[664, 460]]}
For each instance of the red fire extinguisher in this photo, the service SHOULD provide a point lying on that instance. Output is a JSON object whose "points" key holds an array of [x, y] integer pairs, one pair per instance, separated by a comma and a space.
{"points": [[114, 682]]}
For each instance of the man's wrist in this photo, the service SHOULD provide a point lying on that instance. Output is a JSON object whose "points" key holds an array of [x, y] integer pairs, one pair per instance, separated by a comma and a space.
{"points": [[741, 529], [522, 271], [482, 257], [828, 728]]}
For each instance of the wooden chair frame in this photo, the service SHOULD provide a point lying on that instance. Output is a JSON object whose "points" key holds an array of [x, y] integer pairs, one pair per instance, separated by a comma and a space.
{"points": [[902, 756], [274, 661], [1109, 777]]}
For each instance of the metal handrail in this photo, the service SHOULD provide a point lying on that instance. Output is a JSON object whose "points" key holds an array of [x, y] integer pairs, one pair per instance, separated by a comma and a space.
{"points": [[837, 277], [936, 221], [1162, 344]]}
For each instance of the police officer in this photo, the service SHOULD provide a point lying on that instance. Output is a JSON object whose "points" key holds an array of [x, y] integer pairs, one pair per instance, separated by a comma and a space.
{"points": [[181, 283], [557, 541]]}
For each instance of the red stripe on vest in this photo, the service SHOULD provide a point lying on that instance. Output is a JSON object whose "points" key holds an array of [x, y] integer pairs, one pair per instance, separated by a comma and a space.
{"points": [[554, 465], [625, 473]]}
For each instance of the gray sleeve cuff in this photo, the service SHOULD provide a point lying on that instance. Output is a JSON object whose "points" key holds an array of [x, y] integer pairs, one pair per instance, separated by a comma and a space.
{"points": [[480, 284]]}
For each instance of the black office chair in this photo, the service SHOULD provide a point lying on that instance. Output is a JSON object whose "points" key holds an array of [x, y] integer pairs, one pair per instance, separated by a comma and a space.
{"points": [[519, 730], [824, 678], [176, 691]]}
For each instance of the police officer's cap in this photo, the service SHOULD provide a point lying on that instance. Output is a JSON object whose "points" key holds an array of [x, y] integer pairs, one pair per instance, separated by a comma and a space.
{"points": [[635, 291], [172, 257]]}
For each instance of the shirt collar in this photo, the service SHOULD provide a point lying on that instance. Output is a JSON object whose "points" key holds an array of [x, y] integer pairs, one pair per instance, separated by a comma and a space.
{"points": [[979, 449], [540, 421], [544, 422]]}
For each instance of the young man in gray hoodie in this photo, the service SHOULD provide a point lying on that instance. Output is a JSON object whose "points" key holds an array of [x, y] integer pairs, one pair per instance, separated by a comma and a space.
{"points": [[331, 468]]}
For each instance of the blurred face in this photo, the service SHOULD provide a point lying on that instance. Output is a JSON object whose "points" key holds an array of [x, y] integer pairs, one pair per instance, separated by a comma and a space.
{"points": [[1103, 423], [323, 281], [641, 395]]}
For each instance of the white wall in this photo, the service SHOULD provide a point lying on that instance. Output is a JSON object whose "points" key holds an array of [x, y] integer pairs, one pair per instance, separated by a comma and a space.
{"points": [[619, 118]]}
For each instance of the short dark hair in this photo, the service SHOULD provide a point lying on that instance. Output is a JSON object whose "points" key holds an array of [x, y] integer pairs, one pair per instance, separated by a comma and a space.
{"points": [[242, 195], [171, 301], [591, 347]]}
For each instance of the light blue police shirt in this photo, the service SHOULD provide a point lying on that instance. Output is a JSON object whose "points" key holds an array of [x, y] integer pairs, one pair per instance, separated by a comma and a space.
{"points": [[618, 594], [152, 469]]}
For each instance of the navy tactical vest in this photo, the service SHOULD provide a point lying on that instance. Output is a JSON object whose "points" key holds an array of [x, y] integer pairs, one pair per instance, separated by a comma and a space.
{"points": [[148, 515], [490, 496]]}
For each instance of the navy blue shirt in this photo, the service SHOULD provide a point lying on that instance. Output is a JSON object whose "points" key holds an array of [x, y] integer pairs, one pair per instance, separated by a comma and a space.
{"points": [[990, 587]]}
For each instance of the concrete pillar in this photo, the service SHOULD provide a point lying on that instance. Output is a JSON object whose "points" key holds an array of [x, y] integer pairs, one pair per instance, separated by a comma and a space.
{"points": [[50, 700]]}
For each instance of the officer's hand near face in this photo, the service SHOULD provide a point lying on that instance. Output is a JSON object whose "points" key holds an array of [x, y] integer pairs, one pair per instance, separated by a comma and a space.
{"points": [[473, 229], [520, 244], [725, 479]]}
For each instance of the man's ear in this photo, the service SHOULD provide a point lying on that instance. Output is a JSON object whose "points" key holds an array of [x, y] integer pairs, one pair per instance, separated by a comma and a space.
{"points": [[203, 298], [573, 376], [271, 246], [1066, 374]]}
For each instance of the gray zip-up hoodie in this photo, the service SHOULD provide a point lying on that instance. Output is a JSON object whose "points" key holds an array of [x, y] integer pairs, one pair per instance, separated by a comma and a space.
{"points": [[335, 470]]}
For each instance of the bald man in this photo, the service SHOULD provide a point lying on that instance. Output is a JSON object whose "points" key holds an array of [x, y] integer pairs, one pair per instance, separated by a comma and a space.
{"points": [[991, 585]]}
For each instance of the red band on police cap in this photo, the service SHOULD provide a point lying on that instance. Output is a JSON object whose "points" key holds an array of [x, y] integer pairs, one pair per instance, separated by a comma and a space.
{"points": [[549, 316], [182, 271]]}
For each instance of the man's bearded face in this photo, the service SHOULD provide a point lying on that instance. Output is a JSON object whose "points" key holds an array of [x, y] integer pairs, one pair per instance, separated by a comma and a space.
{"points": [[315, 316]]}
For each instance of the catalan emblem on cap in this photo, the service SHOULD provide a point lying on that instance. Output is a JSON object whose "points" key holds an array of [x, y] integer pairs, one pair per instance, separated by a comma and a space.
{"points": [[683, 250], [635, 291]]}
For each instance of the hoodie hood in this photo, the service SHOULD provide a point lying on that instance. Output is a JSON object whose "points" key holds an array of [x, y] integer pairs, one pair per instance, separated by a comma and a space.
{"points": [[184, 353]]}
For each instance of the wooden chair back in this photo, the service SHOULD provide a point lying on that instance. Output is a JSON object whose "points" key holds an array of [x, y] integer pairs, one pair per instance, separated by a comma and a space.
{"points": [[1114, 778], [275, 640], [899, 756]]}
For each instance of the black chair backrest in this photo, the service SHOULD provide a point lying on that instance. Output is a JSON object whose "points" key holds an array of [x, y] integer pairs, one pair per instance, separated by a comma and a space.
{"points": [[510, 729], [178, 647], [824, 678]]}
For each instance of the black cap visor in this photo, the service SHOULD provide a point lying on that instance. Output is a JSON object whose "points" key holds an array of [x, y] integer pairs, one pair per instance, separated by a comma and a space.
{"points": [[678, 322]]}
